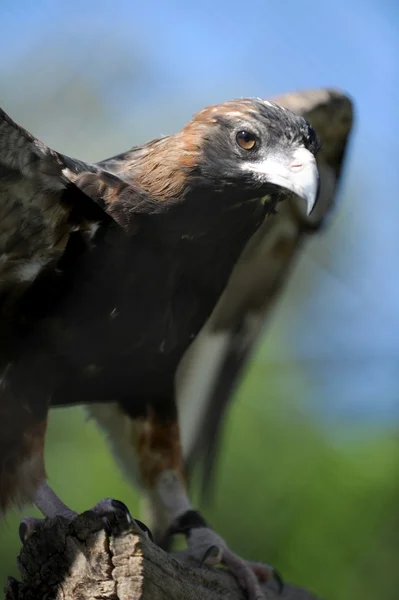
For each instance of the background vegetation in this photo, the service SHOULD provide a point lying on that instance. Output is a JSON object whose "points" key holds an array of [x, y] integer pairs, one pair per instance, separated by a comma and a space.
{"points": [[308, 476]]}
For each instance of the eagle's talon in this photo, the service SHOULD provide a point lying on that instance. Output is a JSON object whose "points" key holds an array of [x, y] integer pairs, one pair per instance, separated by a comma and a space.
{"points": [[26, 527], [279, 581], [145, 529], [207, 547], [265, 573], [22, 531], [118, 505], [268, 574], [211, 556], [107, 507]]}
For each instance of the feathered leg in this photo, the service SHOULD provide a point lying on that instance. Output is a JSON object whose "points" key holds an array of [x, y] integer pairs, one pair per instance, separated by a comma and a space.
{"points": [[22, 433], [22, 436]]}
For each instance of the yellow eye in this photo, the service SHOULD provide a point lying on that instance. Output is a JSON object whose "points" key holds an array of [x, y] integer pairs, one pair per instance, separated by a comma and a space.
{"points": [[246, 140]]}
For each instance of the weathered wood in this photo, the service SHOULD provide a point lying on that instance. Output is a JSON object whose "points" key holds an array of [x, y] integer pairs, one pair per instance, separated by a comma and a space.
{"points": [[79, 561]]}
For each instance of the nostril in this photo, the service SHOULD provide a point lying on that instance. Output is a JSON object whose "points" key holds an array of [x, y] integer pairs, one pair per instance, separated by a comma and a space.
{"points": [[297, 166]]}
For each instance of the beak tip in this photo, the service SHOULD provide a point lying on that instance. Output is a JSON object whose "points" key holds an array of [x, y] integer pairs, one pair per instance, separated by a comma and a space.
{"points": [[310, 204]]}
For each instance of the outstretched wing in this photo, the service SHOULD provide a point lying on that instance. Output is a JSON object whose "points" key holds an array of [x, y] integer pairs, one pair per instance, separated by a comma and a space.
{"points": [[211, 367], [44, 197]]}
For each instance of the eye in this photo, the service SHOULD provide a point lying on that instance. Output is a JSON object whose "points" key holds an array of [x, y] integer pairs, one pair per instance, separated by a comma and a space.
{"points": [[246, 140]]}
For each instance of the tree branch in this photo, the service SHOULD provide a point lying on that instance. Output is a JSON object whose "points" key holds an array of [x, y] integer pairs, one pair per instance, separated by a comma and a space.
{"points": [[79, 561]]}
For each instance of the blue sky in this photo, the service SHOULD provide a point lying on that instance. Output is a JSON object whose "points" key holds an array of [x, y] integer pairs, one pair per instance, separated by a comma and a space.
{"points": [[155, 63]]}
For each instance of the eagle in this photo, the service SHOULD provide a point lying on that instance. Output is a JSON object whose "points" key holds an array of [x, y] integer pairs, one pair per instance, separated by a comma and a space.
{"points": [[109, 271]]}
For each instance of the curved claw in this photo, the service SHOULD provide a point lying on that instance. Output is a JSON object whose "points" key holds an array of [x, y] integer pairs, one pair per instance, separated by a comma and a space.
{"points": [[22, 531], [266, 573], [146, 529], [26, 527], [118, 505], [280, 582], [211, 557], [108, 506]]}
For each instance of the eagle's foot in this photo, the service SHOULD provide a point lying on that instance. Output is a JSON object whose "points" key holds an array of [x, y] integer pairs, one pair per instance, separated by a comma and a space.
{"points": [[106, 507], [206, 546], [52, 506]]}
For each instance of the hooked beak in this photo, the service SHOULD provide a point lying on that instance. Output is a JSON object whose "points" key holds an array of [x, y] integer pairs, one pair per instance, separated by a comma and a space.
{"points": [[297, 173]]}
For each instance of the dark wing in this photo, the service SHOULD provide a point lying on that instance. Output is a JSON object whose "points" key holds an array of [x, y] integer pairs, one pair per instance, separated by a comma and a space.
{"points": [[211, 367], [44, 197]]}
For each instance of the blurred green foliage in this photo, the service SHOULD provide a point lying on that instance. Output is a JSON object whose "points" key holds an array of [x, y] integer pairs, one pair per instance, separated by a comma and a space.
{"points": [[325, 514]]}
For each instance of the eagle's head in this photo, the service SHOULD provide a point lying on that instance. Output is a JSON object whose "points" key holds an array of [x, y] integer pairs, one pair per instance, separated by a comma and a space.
{"points": [[253, 148], [231, 164]]}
